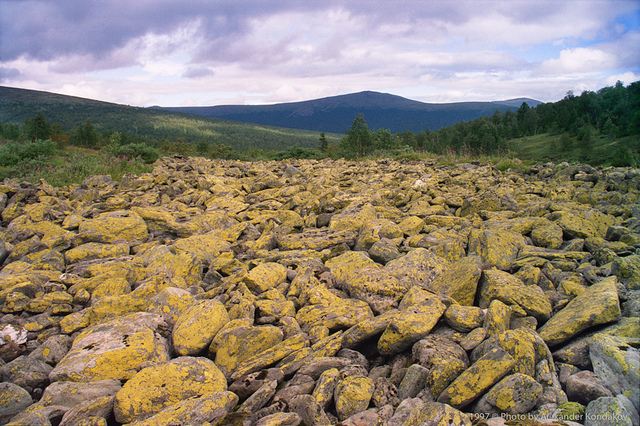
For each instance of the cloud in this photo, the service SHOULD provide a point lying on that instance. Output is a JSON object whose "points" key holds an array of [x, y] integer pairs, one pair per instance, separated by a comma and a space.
{"points": [[285, 50], [579, 60]]}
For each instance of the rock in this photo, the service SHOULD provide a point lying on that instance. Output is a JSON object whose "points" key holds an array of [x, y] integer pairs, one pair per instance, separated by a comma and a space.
{"points": [[239, 340], [515, 394], [419, 267], [586, 386], [435, 413], [384, 251], [325, 387], [510, 290], [116, 349], [607, 411], [265, 276], [352, 395], [13, 400], [93, 251], [113, 226], [270, 356], [413, 381], [599, 304], [153, 388], [170, 303], [410, 325], [464, 318], [547, 236], [309, 410], [444, 360], [459, 281], [26, 372], [196, 327], [353, 217], [616, 361], [498, 317], [342, 313], [377, 287], [495, 247], [476, 379], [279, 419]]}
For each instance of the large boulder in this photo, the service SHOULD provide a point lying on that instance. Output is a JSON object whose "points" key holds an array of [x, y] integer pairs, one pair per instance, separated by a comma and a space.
{"points": [[599, 304], [115, 349]]}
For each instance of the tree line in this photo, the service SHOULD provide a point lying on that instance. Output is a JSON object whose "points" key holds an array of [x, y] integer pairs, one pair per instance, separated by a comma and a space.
{"points": [[611, 111]]}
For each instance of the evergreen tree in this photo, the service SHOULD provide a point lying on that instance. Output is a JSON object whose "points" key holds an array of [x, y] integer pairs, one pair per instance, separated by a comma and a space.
{"points": [[37, 127], [322, 142]]}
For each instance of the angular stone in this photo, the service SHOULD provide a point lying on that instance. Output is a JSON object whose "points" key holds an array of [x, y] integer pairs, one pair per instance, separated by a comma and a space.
{"points": [[116, 349], [547, 236], [616, 361], [515, 394], [344, 313], [270, 356], [410, 325], [353, 217], [495, 247], [608, 411], [170, 303], [418, 267], [28, 373], [459, 281], [13, 400], [203, 247], [476, 379], [197, 326], [443, 358], [352, 395], [510, 290], [498, 317], [93, 251], [153, 388], [435, 413], [586, 386], [599, 304], [265, 276], [325, 386], [240, 340], [113, 226], [375, 286]]}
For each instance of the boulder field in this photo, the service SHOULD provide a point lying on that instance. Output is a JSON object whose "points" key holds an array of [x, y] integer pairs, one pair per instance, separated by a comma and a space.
{"points": [[303, 292]]}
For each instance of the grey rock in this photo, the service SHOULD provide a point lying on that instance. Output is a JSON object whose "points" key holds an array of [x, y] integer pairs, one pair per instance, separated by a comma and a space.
{"points": [[607, 411]]}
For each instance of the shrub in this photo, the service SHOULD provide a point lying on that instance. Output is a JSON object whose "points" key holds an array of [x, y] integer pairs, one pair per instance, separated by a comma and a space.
{"points": [[137, 150], [13, 152]]}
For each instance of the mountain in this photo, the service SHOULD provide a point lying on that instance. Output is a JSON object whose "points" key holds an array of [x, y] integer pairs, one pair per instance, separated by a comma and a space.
{"points": [[16, 105], [335, 114]]}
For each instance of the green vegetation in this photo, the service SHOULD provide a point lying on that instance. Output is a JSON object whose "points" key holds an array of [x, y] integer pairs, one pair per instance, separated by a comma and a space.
{"points": [[600, 128]]}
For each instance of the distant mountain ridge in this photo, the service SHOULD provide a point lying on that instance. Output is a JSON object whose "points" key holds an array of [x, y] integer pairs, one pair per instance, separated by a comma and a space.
{"points": [[336, 113]]}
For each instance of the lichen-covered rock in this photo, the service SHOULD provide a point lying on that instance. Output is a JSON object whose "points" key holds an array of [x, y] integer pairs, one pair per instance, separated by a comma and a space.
{"points": [[353, 217], [116, 349], [599, 304], [170, 303], [459, 281], [27, 372], [113, 226], [444, 359], [476, 379], [239, 340], [13, 399], [265, 276], [435, 413], [548, 235], [607, 411], [153, 388], [418, 267], [515, 394], [196, 327], [375, 286], [616, 360], [197, 410], [496, 247], [410, 325], [352, 395], [343, 313], [510, 290], [92, 251], [270, 356]]}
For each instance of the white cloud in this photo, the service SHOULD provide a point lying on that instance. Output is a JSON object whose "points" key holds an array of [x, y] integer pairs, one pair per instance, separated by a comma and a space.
{"points": [[580, 60]]}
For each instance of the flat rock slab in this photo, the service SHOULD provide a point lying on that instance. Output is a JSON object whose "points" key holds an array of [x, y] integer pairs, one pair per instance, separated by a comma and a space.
{"points": [[599, 304]]}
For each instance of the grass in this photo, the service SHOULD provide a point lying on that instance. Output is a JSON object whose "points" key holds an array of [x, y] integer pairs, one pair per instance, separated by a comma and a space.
{"points": [[73, 165]]}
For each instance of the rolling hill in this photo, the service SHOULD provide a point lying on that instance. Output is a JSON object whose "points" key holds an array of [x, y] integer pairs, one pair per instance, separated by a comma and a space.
{"points": [[16, 105], [335, 114]]}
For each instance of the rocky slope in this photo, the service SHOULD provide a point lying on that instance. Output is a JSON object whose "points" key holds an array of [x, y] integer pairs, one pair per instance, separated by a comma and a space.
{"points": [[319, 293]]}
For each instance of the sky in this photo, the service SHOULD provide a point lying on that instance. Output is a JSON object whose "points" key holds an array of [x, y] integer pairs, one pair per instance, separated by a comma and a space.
{"points": [[213, 52]]}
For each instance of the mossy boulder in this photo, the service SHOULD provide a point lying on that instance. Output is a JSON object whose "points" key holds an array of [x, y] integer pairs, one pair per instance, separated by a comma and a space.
{"points": [[153, 388], [352, 395], [196, 327], [116, 349], [265, 276], [599, 304], [511, 290], [459, 281]]}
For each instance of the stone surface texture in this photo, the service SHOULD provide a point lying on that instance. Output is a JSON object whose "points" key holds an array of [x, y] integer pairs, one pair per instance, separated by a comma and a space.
{"points": [[322, 292]]}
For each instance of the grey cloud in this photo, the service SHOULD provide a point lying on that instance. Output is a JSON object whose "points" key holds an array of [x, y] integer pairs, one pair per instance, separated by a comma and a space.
{"points": [[7, 74], [198, 72]]}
